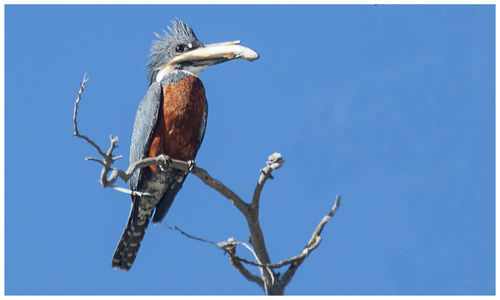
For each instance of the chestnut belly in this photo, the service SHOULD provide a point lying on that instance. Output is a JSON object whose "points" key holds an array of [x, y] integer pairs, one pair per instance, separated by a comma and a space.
{"points": [[177, 128]]}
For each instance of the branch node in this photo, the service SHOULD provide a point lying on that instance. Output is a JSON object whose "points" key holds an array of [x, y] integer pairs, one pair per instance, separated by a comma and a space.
{"points": [[275, 161], [95, 159], [228, 245]]}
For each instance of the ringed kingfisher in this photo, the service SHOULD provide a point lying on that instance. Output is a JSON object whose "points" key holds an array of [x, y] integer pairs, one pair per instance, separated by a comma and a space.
{"points": [[170, 120]]}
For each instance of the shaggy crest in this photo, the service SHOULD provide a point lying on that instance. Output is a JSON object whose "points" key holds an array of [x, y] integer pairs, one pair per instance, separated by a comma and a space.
{"points": [[163, 49]]}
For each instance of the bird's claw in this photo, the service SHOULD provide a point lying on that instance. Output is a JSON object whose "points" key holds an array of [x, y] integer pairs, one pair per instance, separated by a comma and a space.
{"points": [[166, 160], [191, 166]]}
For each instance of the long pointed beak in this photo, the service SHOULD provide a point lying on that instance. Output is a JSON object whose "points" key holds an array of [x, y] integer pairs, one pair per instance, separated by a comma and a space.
{"points": [[212, 54]]}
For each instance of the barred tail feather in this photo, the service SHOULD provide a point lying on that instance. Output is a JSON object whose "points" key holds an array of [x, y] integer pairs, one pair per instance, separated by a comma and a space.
{"points": [[131, 239]]}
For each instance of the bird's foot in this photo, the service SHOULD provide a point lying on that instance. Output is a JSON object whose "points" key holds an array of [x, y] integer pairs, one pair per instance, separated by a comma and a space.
{"points": [[191, 165], [165, 161]]}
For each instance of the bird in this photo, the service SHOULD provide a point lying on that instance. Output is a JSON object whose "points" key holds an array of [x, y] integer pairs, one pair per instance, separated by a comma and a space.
{"points": [[171, 120]]}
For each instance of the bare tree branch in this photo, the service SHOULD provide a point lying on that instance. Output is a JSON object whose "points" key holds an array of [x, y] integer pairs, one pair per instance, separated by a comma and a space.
{"points": [[274, 161], [269, 280], [233, 260], [231, 242], [229, 247], [222, 189], [311, 245], [107, 157], [161, 161], [75, 112]]}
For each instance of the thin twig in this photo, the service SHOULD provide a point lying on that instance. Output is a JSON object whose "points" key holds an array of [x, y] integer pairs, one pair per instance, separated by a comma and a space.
{"points": [[175, 228], [75, 113], [311, 245], [129, 192], [231, 242]]}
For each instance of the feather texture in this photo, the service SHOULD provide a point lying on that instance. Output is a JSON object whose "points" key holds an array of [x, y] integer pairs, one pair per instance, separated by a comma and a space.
{"points": [[171, 120]]}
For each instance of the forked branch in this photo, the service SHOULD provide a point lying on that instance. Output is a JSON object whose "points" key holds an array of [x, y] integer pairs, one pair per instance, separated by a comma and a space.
{"points": [[279, 283], [271, 281]]}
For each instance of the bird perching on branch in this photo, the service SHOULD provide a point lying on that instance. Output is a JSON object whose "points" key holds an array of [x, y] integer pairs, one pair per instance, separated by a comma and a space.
{"points": [[170, 120]]}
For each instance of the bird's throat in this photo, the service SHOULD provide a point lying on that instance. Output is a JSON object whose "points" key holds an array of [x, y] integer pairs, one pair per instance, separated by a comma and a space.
{"points": [[167, 69]]}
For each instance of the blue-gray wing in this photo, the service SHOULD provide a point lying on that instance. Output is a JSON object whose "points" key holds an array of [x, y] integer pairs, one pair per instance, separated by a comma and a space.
{"points": [[145, 121], [203, 126]]}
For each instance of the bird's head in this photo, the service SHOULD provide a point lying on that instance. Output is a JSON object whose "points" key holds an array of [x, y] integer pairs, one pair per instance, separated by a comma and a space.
{"points": [[179, 49]]}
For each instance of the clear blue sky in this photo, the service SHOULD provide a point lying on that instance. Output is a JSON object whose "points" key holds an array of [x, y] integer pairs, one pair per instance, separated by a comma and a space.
{"points": [[393, 107]]}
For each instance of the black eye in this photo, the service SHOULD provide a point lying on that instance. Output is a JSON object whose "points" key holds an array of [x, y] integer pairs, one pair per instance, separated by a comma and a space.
{"points": [[180, 48]]}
